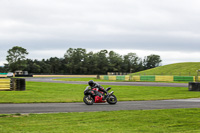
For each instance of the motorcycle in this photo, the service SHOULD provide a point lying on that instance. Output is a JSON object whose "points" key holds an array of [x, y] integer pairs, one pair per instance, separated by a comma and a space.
{"points": [[96, 96]]}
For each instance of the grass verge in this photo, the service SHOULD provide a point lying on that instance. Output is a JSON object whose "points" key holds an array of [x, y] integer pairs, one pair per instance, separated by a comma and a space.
{"points": [[152, 121], [38, 92], [100, 80], [85, 79], [178, 69]]}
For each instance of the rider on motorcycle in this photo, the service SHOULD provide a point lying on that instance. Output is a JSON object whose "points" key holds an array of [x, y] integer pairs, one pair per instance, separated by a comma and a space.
{"points": [[92, 84]]}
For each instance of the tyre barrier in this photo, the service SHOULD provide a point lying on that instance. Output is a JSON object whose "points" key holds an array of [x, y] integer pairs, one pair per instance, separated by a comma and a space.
{"points": [[12, 84], [149, 78], [194, 86], [4, 84]]}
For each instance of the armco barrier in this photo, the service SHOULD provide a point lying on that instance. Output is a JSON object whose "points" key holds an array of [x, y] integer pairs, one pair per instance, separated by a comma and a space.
{"points": [[106, 77], [184, 78], [5, 84], [135, 78], [101, 77], [127, 78], [16, 84], [164, 78], [120, 77], [149, 78], [123, 78], [112, 78]]}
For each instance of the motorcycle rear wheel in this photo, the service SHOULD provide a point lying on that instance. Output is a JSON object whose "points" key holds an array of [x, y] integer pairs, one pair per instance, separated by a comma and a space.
{"points": [[112, 99], [88, 100]]}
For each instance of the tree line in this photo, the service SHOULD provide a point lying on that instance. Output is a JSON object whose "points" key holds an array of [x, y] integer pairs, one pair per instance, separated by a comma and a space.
{"points": [[79, 61]]}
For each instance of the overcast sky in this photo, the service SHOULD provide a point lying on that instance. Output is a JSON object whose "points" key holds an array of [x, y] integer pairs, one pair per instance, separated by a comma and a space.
{"points": [[47, 28]]}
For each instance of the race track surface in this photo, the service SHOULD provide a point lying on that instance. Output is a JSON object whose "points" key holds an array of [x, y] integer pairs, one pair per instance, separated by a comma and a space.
{"points": [[81, 107]]}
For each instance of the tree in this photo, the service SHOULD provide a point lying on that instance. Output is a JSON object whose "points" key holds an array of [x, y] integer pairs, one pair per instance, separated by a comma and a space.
{"points": [[3, 69], [75, 60], [102, 62], [16, 58], [55, 64], [78, 61], [45, 66], [132, 63], [115, 62], [152, 61]]}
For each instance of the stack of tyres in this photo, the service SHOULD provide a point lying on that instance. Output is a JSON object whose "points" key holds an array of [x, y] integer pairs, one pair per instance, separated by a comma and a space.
{"points": [[194, 86], [13, 84], [4, 84], [18, 84]]}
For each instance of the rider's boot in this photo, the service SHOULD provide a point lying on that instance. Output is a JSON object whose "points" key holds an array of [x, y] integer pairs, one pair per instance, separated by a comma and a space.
{"points": [[105, 97]]}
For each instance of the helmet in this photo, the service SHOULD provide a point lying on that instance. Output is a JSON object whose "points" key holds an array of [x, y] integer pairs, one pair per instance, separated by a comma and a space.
{"points": [[91, 83]]}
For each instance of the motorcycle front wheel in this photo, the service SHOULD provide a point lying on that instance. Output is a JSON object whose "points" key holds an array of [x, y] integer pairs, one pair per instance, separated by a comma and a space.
{"points": [[112, 99], [88, 100]]}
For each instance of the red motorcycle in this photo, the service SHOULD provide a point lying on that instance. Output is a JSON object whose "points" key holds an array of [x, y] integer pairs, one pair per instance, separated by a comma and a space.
{"points": [[96, 96]]}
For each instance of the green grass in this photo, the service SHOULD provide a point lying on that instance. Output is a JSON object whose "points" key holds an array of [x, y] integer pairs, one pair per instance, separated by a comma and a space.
{"points": [[38, 92], [88, 79], [151, 121], [137, 121], [82, 79], [182, 69], [100, 80]]}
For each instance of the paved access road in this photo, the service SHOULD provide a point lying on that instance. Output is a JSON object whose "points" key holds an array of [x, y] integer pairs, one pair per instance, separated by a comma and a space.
{"points": [[110, 83], [81, 107]]}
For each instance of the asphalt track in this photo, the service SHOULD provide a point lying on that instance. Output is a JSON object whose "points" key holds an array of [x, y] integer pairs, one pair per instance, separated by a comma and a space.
{"points": [[81, 107]]}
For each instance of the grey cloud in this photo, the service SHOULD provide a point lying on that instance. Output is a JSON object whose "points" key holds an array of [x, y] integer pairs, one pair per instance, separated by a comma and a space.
{"points": [[168, 25]]}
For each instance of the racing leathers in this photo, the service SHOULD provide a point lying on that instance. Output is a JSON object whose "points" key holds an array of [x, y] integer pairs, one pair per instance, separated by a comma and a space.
{"points": [[100, 88]]}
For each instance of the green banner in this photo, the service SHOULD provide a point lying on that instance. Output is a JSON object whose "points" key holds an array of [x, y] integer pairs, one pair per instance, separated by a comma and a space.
{"points": [[120, 78], [183, 78], [147, 78]]}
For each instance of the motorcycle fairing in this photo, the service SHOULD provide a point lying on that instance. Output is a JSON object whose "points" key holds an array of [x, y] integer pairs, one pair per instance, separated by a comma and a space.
{"points": [[98, 99]]}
